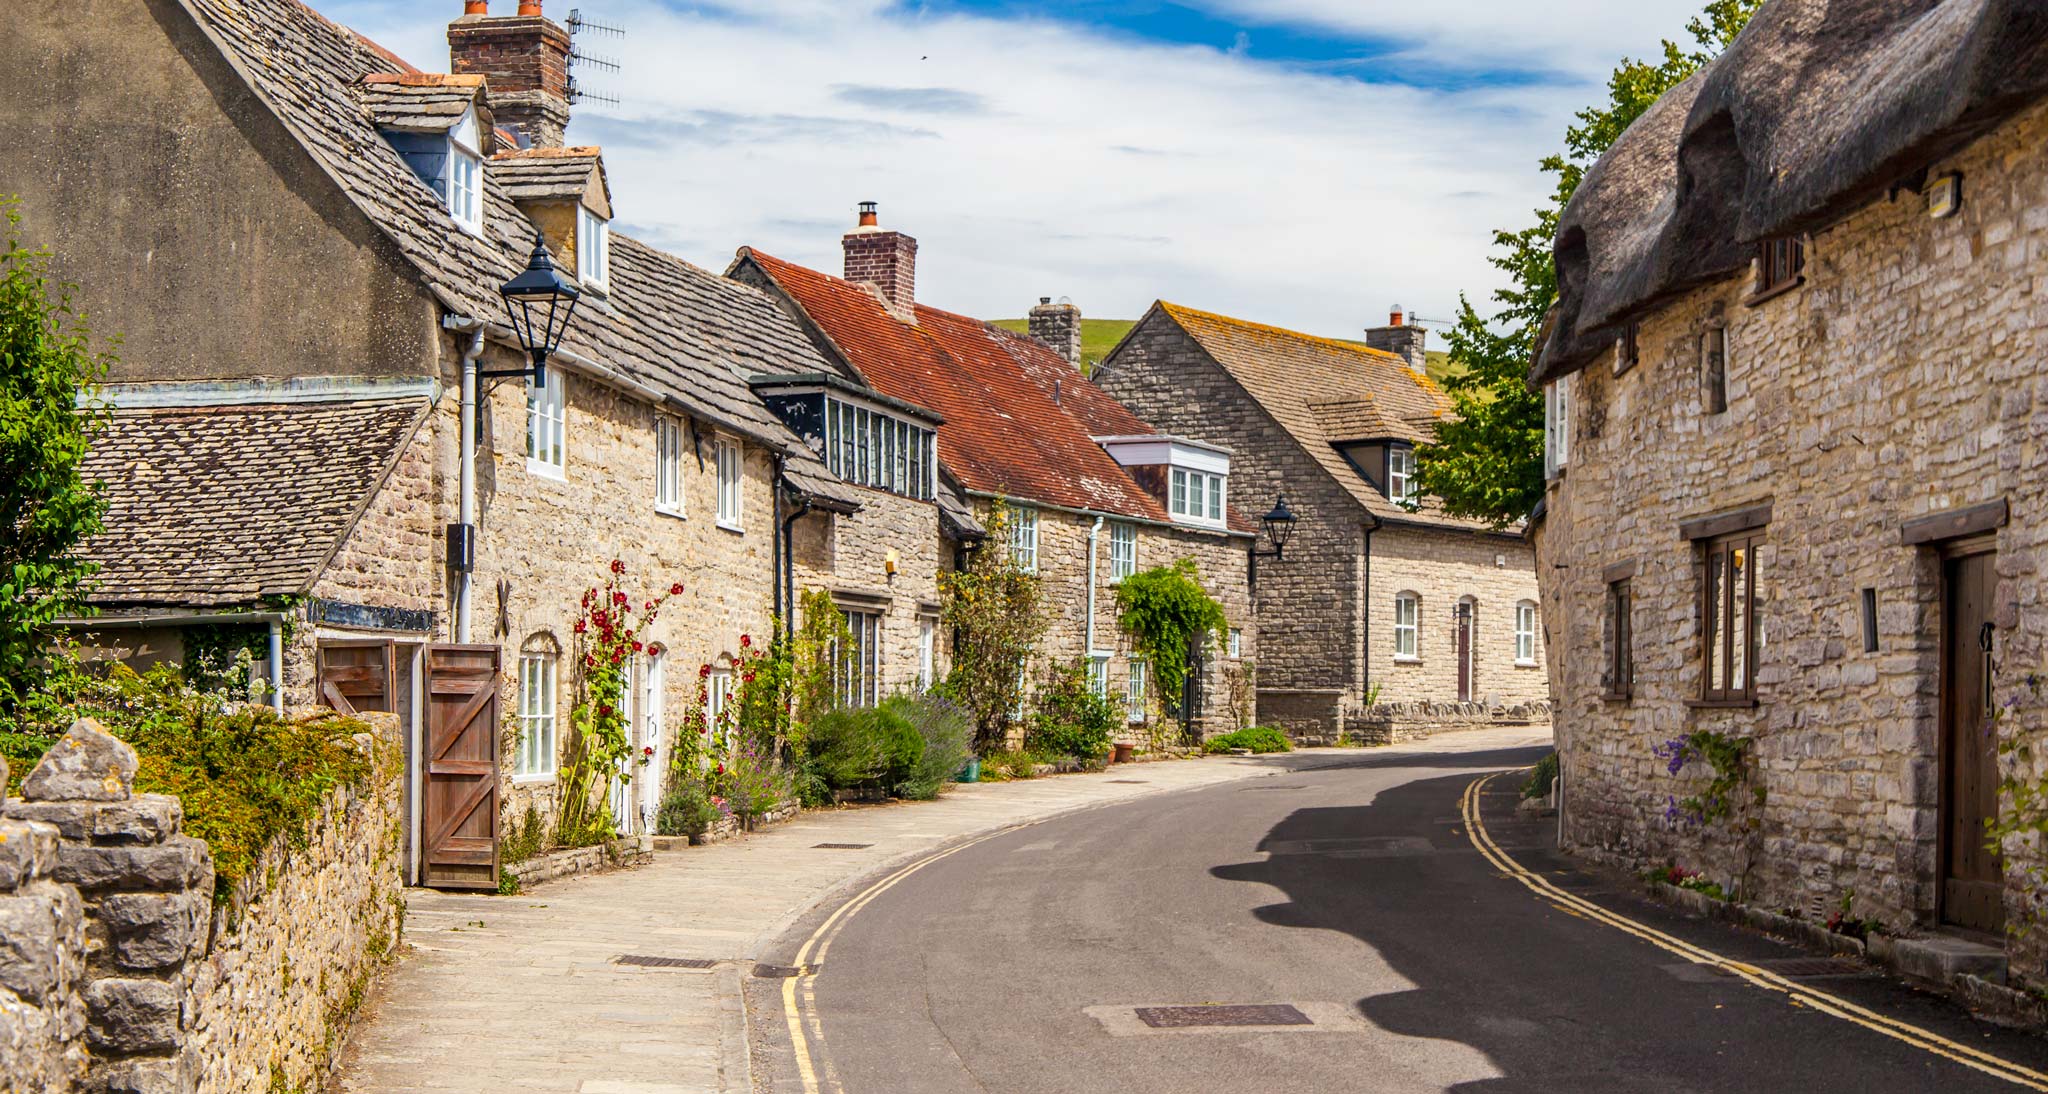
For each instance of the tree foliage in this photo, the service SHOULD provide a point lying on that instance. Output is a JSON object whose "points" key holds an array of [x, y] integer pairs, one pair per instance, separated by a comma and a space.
{"points": [[996, 612], [1487, 463], [48, 373]]}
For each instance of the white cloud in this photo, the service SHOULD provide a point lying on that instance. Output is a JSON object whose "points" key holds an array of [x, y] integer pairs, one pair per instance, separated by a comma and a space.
{"points": [[1040, 159]]}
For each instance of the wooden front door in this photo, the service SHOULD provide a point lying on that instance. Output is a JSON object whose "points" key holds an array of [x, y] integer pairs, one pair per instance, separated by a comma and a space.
{"points": [[459, 776], [358, 676], [1464, 651], [1973, 877]]}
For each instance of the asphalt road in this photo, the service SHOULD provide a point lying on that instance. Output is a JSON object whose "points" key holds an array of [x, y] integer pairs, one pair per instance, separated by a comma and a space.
{"points": [[1352, 892]]}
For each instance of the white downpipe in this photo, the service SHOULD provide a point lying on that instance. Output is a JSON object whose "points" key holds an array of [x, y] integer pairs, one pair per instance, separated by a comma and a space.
{"points": [[1094, 536], [277, 665], [466, 462]]}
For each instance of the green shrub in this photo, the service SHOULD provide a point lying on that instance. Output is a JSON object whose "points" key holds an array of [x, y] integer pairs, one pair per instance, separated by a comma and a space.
{"points": [[1071, 720], [1257, 738], [1541, 777], [686, 809], [877, 748], [946, 731], [998, 767]]}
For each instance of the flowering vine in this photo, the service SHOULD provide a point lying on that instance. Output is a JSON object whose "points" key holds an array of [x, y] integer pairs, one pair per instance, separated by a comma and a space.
{"points": [[608, 632]]}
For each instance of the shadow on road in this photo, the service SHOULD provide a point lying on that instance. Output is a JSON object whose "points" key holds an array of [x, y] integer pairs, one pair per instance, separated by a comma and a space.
{"points": [[1491, 758]]}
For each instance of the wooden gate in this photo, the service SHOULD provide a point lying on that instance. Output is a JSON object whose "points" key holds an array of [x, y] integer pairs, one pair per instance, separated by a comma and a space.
{"points": [[1973, 878], [358, 676], [459, 772]]}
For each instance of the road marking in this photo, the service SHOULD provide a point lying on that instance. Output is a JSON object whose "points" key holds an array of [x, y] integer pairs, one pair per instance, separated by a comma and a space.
{"points": [[1798, 995], [804, 1013]]}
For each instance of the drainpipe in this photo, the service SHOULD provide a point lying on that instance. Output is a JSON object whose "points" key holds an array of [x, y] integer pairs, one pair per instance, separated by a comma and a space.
{"points": [[466, 477], [277, 665], [1094, 534], [789, 565], [1366, 647]]}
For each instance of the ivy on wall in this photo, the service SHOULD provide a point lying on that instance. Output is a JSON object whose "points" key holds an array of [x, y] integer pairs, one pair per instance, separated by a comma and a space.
{"points": [[1166, 611]]}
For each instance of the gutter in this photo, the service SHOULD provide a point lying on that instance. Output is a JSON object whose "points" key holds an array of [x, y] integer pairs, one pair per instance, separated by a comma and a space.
{"points": [[181, 619], [1049, 507]]}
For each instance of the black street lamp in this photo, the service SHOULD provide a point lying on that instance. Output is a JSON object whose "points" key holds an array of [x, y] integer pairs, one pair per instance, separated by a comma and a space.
{"points": [[540, 301], [1279, 524]]}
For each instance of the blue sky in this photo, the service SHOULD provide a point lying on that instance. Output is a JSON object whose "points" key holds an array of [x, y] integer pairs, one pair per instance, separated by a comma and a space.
{"points": [[1301, 162]]}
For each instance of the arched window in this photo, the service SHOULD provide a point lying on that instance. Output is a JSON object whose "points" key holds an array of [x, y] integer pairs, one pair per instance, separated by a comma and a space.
{"points": [[1407, 628], [1525, 632], [534, 754]]}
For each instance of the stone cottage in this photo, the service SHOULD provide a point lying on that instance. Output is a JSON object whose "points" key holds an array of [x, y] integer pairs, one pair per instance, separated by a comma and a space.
{"points": [[1796, 380], [1384, 616], [1093, 492], [300, 238]]}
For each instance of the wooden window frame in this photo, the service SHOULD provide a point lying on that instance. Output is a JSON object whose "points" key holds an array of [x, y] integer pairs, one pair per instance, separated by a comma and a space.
{"points": [[1781, 267], [668, 466], [1621, 654], [732, 480], [1717, 601], [860, 663], [1412, 628], [1123, 551], [547, 425], [1400, 484], [539, 699], [1535, 621], [1134, 691], [1628, 348], [1024, 538]]}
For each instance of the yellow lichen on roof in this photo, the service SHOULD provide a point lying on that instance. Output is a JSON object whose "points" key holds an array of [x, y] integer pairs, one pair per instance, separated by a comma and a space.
{"points": [[1184, 313]]}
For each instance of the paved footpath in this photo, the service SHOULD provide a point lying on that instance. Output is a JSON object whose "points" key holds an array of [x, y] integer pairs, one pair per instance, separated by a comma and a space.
{"points": [[525, 993]]}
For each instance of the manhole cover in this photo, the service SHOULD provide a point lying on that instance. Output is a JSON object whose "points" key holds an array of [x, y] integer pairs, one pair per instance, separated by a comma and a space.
{"points": [[842, 846], [777, 972], [645, 961], [1241, 1014]]}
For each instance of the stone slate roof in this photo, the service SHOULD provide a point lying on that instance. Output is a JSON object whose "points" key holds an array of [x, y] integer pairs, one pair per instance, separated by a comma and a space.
{"points": [[553, 174], [1323, 391], [222, 505], [418, 102], [1816, 109], [1003, 434], [304, 67]]}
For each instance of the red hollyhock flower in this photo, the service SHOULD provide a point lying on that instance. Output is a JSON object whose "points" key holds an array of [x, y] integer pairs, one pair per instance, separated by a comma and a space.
{"points": [[618, 566], [746, 640], [581, 626], [648, 607], [636, 647], [718, 770], [648, 750], [619, 598], [676, 589], [704, 672]]}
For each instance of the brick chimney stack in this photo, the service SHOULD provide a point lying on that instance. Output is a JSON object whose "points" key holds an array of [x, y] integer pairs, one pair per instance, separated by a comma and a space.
{"points": [[886, 260], [525, 58], [1059, 326], [1401, 338]]}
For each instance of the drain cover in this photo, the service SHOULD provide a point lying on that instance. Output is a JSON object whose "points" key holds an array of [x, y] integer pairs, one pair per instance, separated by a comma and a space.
{"points": [[1131, 782], [842, 846], [777, 972], [1282, 786], [1254, 1014], [645, 961]]}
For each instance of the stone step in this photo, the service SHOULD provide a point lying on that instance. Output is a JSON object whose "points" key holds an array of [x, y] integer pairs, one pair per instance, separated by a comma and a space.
{"points": [[1940, 959]]}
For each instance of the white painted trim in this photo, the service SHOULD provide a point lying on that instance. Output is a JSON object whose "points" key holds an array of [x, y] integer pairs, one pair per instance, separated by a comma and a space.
{"points": [[301, 389]]}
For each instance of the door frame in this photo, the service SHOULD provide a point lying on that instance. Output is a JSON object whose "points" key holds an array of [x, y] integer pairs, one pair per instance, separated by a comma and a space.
{"points": [[1947, 552], [410, 648]]}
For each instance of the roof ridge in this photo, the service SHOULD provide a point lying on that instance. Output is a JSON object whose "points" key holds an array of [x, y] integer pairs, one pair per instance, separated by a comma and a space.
{"points": [[1181, 310]]}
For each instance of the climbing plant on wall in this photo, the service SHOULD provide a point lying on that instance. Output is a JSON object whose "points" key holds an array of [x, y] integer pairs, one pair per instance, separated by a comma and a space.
{"points": [[607, 635], [1166, 611], [996, 612]]}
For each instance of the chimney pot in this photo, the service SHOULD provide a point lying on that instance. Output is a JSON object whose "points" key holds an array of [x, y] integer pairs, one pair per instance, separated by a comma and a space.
{"points": [[867, 215], [476, 7], [529, 7], [1394, 320]]}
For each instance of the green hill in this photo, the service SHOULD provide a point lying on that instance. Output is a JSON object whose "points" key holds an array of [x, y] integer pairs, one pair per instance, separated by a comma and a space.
{"points": [[1098, 336]]}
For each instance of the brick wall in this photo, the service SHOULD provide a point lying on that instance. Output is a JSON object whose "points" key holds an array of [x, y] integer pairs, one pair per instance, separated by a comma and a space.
{"points": [[1903, 378], [888, 260]]}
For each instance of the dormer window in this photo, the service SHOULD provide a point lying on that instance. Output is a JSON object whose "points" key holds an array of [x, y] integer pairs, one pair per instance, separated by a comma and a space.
{"points": [[593, 249], [1400, 468], [1191, 477], [462, 184]]}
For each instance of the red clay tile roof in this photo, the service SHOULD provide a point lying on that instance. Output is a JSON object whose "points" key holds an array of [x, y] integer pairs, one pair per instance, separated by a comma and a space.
{"points": [[1003, 433]]}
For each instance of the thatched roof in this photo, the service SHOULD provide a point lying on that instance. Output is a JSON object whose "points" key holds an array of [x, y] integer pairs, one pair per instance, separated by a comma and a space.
{"points": [[1817, 107]]}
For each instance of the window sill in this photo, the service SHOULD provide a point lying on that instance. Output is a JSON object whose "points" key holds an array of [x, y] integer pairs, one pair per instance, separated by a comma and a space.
{"points": [[671, 511], [1404, 659], [533, 780], [544, 470], [1721, 704], [1758, 297], [1616, 697], [1521, 664], [735, 529]]}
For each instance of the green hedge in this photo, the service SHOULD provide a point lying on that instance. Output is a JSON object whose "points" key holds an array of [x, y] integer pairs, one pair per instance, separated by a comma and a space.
{"points": [[1257, 738]]}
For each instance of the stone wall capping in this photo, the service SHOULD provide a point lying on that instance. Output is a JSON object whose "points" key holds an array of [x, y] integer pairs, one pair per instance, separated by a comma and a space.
{"points": [[87, 764]]}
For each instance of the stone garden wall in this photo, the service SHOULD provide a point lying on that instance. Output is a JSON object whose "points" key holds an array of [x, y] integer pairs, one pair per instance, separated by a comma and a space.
{"points": [[120, 972]]}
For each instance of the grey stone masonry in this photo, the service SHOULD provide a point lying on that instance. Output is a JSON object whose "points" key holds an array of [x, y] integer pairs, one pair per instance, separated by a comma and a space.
{"points": [[1058, 326], [1401, 338]]}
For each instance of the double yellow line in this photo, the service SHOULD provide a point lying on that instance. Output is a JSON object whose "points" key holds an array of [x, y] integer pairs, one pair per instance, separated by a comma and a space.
{"points": [[799, 997], [1831, 1005]]}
